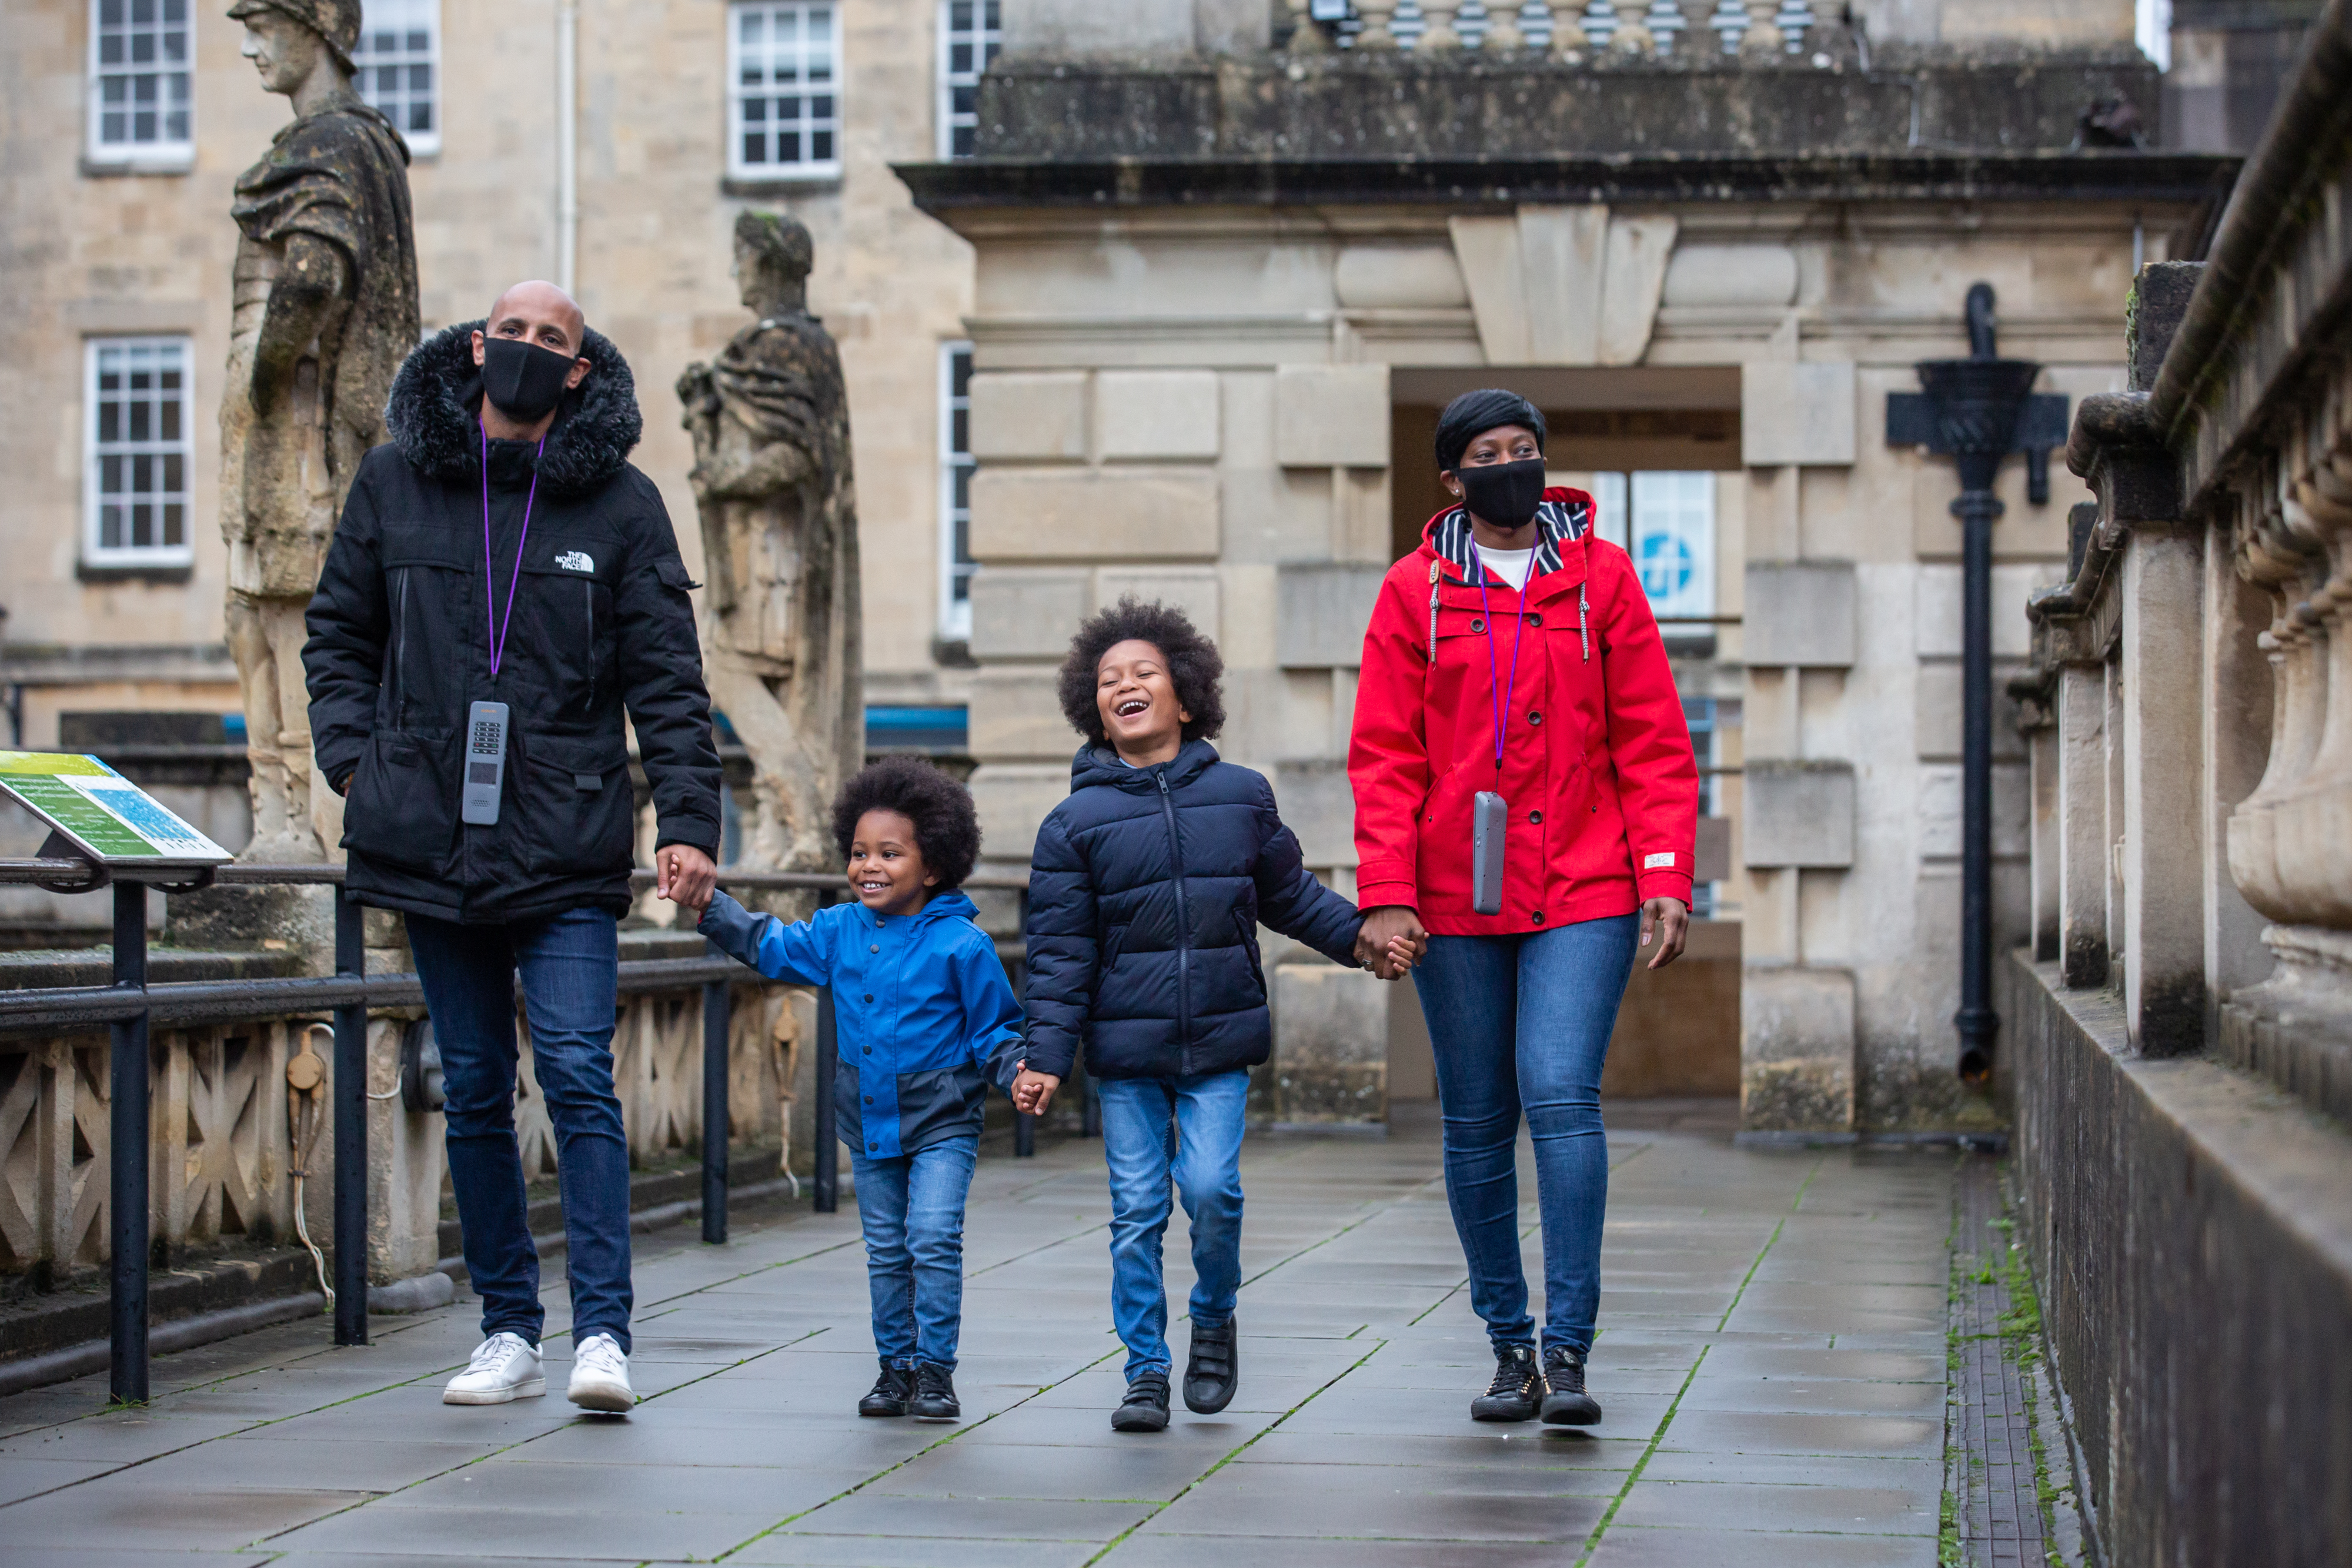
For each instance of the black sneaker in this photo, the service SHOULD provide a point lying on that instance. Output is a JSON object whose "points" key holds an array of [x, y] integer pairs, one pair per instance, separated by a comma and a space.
{"points": [[935, 1397], [1517, 1388], [1214, 1371], [1567, 1404], [889, 1395], [1145, 1408]]}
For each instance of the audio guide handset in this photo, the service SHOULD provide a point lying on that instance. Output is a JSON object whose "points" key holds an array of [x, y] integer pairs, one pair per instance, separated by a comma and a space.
{"points": [[1487, 816], [486, 763]]}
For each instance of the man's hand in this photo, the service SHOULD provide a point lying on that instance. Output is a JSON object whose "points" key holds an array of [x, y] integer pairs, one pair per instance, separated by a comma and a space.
{"points": [[1391, 940], [1669, 918], [1033, 1091], [684, 875]]}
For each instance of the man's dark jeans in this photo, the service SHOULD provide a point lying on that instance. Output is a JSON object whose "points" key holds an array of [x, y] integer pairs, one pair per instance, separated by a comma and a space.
{"points": [[570, 965]]}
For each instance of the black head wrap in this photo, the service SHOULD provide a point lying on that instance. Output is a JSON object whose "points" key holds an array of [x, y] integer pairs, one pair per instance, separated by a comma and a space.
{"points": [[1473, 413]]}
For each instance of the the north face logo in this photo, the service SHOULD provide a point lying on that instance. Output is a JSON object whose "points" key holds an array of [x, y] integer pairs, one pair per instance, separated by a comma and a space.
{"points": [[576, 560]]}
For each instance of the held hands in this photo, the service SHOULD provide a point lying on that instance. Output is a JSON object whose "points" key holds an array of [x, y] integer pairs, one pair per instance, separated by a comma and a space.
{"points": [[1669, 919], [685, 876], [1033, 1091], [1392, 941]]}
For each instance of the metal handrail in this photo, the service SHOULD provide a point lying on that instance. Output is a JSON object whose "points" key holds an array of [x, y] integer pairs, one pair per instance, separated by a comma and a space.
{"points": [[130, 1006]]}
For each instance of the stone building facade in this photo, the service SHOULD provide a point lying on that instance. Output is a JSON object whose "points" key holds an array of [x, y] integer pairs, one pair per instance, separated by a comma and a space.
{"points": [[594, 143], [1227, 272]]}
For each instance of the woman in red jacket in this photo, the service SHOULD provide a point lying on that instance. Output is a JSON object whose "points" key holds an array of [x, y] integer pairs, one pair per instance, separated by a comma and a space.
{"points": [[1514, 655]]}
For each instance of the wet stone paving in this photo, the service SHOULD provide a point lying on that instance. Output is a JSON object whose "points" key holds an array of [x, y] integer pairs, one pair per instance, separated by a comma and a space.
{"points": [[1772, 1363]]}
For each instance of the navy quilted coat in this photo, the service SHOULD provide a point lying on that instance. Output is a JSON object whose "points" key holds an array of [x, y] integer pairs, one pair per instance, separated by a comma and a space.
{"points": [[1145, 892]]}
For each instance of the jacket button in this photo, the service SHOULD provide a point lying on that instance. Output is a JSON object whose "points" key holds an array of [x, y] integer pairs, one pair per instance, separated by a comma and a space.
{"points": [[871, 1148], [1477, 626], [1533, 818], [876, 947], [1535, 620], [868, 1049], [869, 1099], [1539, 917], [869, 995], [1534, 717]]}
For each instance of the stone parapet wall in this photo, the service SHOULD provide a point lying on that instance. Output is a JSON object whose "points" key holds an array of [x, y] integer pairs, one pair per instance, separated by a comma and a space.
{"points": [[2191, 1234]]}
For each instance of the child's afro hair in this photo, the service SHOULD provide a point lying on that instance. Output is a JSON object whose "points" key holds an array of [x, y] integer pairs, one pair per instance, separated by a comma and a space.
{"points": [[947, 826], [1194, 667]]}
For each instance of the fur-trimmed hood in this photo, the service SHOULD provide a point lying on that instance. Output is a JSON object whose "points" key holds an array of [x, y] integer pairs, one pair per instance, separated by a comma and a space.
{"points": [[431, 415]]}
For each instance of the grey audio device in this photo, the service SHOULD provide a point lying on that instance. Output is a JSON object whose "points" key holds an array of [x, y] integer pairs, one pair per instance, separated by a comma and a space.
{"points": [[486, 764], [1488, 815]]}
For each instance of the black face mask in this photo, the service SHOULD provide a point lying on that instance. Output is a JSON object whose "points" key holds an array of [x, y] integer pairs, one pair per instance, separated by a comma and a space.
{"points": [[524, 380], [1503, 494]]}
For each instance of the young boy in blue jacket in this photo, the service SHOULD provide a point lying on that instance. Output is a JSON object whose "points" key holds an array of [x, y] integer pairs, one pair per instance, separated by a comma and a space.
{"points": [[1146, 891], [927, 1020]]}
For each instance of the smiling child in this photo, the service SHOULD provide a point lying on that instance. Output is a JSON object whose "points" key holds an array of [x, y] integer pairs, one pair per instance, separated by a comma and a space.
{"points": [[927, 1019]]}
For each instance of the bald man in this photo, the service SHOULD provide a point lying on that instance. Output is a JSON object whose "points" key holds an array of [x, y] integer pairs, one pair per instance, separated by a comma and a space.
{"points": [[503, 588]]}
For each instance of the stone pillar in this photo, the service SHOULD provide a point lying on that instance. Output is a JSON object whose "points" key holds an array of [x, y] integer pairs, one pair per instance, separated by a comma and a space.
{"points": [[2082, 722], [2162, 853]]}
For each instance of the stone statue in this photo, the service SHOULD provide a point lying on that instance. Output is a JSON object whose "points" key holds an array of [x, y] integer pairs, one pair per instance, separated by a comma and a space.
{"points": [[325, 310], [771, 480]]}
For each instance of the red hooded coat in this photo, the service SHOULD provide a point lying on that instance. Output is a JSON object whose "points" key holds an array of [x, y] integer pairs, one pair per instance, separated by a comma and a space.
{"points": [[1597, 764]]}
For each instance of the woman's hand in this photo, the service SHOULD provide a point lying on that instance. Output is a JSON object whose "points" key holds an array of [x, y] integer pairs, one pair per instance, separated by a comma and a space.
{"points": [[1388, 934], [1033, 1091], [1669, 919]]}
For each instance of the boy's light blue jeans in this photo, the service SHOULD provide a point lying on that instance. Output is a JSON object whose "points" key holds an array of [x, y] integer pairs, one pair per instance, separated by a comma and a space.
{"points": [[1523, 1023], [1190, 1128], [911, 1208]]}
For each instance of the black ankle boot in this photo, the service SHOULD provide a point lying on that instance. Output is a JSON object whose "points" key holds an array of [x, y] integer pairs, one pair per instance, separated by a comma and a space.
{"points": [[1214, 1371], [1145, 1408], [935, 1398], [1517, 1388], [1567, 1404], [889, 1395]]}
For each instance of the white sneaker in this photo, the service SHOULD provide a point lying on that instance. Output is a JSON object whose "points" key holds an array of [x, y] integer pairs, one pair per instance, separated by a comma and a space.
{"points": [[600, 1375], [504, 1366]]}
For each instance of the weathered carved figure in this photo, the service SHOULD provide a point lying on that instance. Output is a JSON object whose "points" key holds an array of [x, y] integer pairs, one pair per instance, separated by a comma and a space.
{"points": [[325, 309], [771, 479]]}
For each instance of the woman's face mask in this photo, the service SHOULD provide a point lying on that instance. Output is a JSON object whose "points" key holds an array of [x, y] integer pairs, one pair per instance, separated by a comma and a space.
{"points": [[1505, 495], [524, 381]]}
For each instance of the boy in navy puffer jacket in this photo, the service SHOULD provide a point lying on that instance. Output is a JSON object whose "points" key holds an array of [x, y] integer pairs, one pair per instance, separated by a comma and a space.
{"points": [[1146, 891], [927, 1020]]}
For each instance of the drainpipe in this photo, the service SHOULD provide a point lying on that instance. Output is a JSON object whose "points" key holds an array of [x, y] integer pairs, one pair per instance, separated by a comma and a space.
{"points": [[567, 144]]}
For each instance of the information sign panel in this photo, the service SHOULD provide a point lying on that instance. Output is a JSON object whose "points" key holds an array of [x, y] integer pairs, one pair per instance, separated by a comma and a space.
{"points": [[105, 816]]}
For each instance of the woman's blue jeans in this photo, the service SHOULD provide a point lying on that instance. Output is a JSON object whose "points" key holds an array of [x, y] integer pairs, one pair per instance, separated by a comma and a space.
{"points": [[1190, 1128], [570, 965], [1523, 1023], [911, 1208]]}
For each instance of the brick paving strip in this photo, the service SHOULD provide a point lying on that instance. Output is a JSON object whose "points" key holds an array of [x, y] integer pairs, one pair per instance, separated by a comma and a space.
{"points": [[1772, 1363]]}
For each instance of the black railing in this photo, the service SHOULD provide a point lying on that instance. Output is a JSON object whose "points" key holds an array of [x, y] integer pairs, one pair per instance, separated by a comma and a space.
{"points": [[129, 1005]]}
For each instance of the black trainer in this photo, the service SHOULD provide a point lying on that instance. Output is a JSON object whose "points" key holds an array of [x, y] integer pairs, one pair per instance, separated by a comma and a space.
{"points": [[1214, 1371], [1145, 1408], [1567, 1404], [889, 1395], [935, 1398], [1517, 1388]]}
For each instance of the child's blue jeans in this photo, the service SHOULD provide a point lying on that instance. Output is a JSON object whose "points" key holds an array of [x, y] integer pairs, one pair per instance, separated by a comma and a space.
{"points": [[1192, 1128], [912, 1211]]}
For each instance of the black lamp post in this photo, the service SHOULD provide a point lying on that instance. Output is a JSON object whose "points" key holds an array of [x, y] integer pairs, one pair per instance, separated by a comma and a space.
{"points": [[1980, 409]]}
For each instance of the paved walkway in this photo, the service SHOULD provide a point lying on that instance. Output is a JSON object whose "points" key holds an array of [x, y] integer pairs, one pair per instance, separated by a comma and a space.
{"points": [[1771, 1361]]}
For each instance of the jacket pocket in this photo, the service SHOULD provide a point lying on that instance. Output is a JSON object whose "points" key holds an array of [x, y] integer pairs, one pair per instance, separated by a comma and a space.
{"points": [[1245, 923], [577, 811], [402, 806]]}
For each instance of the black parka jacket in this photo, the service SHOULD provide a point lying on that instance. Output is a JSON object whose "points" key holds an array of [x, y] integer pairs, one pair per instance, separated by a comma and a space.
{"points": [[1146, 891], [400, 648]]}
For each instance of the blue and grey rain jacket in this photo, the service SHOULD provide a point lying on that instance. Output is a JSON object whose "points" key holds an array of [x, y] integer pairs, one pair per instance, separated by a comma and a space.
{"points": [[926, 1016]]}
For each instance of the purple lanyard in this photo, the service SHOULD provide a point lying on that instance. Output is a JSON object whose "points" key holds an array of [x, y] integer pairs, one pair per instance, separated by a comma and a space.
{"points": [[489, 567], [1494, 676]]}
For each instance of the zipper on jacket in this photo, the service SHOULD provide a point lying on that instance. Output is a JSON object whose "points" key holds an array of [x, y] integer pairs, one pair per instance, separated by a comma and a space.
{"points": [[588, 592], [400, 657], [1183, 932]]}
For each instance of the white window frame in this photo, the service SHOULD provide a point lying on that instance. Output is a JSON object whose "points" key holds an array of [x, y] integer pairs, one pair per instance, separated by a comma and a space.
{"points": [[955, 614], [94, 550], [986, 42], [808, 170], [162, 156], [422, 143]]}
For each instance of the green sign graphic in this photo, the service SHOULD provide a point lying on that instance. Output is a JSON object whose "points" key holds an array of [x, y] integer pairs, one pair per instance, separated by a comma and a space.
{"points": [[107, 816]]}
